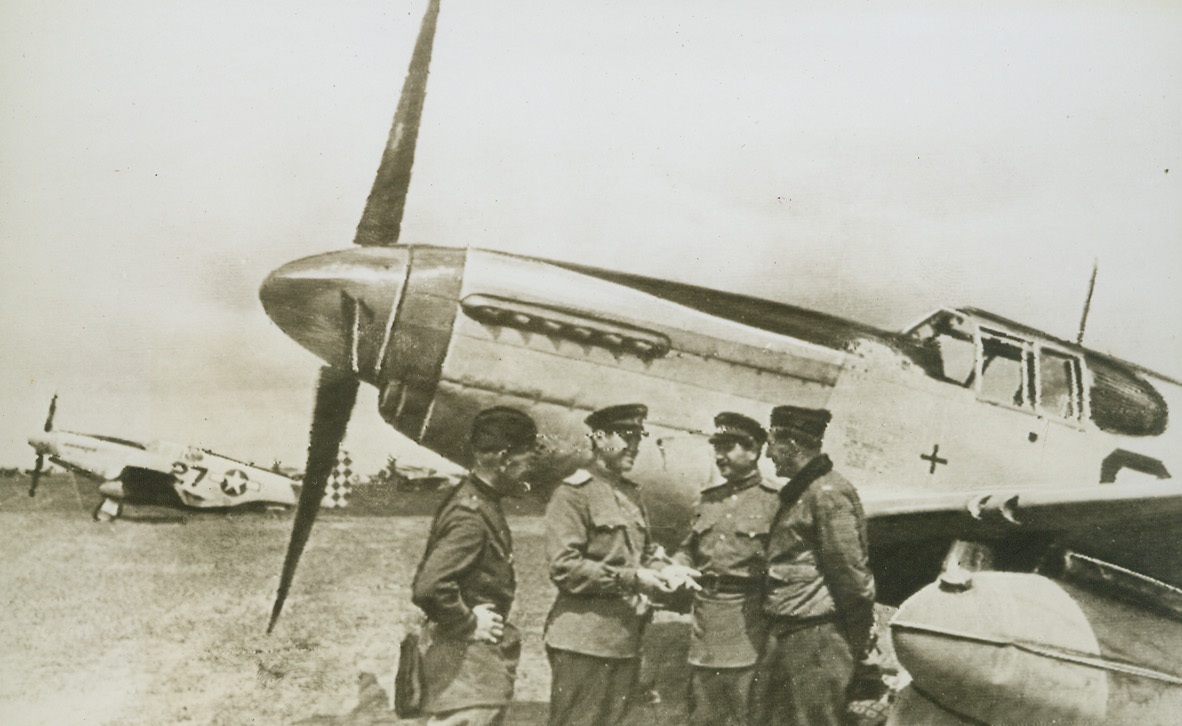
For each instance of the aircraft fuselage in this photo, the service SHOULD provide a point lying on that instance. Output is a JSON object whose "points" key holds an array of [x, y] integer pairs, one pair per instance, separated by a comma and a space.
{"points": [[956, 405], [163, 473]]}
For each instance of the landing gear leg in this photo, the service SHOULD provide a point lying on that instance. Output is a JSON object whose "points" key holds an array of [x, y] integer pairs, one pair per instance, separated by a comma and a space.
{"points": [[108, 511], [963, 559]]}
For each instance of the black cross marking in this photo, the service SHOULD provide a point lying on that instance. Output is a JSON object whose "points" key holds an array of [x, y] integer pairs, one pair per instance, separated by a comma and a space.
{"points": [[932, 457]]}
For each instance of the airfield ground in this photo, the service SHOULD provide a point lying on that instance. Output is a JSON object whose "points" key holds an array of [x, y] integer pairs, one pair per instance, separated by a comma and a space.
{"points": [[164, 623]]}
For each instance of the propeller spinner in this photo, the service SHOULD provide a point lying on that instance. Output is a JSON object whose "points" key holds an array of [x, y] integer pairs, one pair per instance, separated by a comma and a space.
{"points": [[380, 226]]}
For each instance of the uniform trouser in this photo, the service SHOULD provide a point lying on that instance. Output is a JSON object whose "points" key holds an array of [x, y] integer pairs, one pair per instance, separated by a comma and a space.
{"points": [[475, 716], [803, 677], [586, 690], [720, 696]]}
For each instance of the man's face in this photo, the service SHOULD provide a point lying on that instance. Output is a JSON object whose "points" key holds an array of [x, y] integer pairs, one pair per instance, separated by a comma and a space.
{"points": [[785, 452], [515, 469], [617, 449], [734, 460]]}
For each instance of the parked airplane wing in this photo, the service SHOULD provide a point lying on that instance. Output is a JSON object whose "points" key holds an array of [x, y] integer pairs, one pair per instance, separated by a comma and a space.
{"points": [[910, 535], [955, 514], [149, 461]]}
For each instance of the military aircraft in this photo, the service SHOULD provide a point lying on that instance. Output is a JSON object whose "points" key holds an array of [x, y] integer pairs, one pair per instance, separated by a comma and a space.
{"points": [[157, 473], [964, 432]]}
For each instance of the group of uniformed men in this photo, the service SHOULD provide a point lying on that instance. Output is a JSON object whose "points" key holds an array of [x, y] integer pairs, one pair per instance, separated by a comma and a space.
{"points": [[782, 592]]}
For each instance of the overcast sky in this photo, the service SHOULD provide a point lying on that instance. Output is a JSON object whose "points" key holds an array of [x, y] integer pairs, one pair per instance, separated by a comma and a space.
{"points": [[875, 160]]}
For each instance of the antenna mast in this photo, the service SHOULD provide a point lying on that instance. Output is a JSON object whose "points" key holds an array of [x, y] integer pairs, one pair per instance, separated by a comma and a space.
{"points": [[1083, 320]]}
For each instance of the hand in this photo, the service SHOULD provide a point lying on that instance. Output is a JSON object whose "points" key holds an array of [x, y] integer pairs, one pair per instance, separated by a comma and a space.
{"points": [[651, 582], [862, 634], [870, 649], [490, 625], [681, 576]]}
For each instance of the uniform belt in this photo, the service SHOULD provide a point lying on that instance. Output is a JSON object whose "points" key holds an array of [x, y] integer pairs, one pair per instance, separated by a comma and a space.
{"points": [[731, 584]]}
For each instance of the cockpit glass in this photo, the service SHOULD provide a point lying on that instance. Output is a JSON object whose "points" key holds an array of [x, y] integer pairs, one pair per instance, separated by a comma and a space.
{"points": [[1001, 371], [951, 348], [1057, 384]]}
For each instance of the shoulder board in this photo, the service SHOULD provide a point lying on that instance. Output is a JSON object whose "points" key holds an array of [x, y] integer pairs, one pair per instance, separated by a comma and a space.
{"points": [[714, 489], [578, 479]]}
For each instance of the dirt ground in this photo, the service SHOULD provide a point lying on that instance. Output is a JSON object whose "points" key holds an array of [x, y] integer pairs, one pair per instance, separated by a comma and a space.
{"points": [[164, 623]]}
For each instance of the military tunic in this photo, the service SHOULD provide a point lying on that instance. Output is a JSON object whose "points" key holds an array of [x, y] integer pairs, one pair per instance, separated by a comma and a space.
{"points": [[818, 556], [597, 537], [468, 562], [726, 544], [820, 598]]}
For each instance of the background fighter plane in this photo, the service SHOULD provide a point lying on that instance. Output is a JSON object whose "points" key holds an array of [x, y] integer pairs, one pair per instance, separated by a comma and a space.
{"points": [[157, 472], [963, 427]]}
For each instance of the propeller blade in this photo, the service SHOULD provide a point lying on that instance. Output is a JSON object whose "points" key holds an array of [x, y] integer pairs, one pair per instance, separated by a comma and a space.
{"points": [[335, 394], [381, 222], [36, 474], [52, 410]]}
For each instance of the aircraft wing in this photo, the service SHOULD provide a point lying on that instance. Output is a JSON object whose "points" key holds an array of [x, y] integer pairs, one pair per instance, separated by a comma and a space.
{"points": [[1130, 526], [149, 461], [897, 519], [111, 467]]}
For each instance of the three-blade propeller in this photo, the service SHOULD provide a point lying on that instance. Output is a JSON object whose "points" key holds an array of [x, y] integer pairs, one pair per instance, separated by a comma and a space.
{"points": [[40, 456], [336, 391], [380, 226]]}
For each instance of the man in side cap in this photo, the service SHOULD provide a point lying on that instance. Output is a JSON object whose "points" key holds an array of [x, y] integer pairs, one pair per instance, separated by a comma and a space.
{"points": [[602, 560], [820, 591], [724, 554], [465, 583]]}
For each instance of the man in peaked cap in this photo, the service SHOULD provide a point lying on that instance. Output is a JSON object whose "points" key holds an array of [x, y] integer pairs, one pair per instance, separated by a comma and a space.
{"points": [[820, 591], [465, 583], [724, 554], [603, 562]]}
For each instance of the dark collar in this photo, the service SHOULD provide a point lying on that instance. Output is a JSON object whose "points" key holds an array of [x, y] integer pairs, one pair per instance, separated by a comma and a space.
{"points": [[818, 467], [734, 487], [484, 487]]}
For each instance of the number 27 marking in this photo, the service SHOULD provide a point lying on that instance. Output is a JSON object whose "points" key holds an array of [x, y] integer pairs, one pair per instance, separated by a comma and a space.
{"points": [[180, 469]]}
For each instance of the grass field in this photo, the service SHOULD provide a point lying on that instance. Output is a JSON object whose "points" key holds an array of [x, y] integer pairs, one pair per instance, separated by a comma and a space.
{"points": [[140, 623], [164, 623]]}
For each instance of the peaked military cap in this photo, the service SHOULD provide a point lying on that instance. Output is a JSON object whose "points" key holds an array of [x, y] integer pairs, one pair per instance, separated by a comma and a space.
{"points": [[614, 418], [500, 428], [797, 420], [730, 426]]}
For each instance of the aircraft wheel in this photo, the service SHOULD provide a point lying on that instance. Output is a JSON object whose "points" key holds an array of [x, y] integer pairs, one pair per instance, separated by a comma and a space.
{"points": [[108, 511]]}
